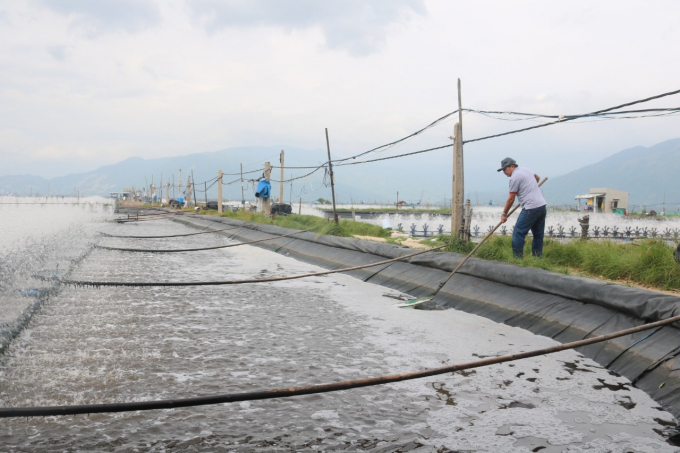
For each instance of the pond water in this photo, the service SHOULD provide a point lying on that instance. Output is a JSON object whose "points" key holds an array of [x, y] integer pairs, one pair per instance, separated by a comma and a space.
{"points": [[131, 344]]}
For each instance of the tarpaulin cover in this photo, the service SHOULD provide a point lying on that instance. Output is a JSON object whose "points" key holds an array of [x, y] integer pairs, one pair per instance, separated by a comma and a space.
{"points": [[563, 307]]}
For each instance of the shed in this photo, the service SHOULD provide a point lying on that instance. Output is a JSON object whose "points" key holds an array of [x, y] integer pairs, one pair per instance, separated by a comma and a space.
{"points": [[603, 200]]}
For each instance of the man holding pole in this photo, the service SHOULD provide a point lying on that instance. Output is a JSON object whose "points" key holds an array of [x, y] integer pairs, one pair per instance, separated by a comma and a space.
{"points": [[524, 185]]}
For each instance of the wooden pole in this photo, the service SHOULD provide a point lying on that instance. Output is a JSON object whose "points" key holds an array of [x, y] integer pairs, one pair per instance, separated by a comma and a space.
{"points": [[243, 198], [300, 207], [468, 220], [193, 186], [457, 189], [267, 202], [330, 169], [205, 192], [281, 183], [219, 191], [188, 192], [179, 183]]}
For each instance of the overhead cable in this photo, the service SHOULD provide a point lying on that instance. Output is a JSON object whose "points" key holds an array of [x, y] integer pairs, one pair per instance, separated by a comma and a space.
{"points": [[563, 120]]}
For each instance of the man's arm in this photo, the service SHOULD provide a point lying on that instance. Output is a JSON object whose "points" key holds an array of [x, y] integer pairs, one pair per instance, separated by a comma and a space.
{"points": [[508, 205]]}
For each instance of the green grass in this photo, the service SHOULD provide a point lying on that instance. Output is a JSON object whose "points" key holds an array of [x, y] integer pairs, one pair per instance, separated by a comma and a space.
{"points": [[649, 262], [307, 222]]}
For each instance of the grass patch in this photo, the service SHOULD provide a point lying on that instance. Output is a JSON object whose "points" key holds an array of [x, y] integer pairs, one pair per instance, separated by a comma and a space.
{"points": [[649, 262], [319, 225]]}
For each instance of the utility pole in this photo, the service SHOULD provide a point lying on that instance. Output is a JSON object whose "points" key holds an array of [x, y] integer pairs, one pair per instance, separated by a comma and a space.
{"points": [[243, 198], [281, 183], [167, 191], [179, 189], [193, 186], [267, 202], [458, 189], [457, 192], [330, 170], [189, 192], [219, 191], [397, 200]]}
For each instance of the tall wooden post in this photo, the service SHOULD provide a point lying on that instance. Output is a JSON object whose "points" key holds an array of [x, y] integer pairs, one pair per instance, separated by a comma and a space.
{"points": [[219, 191], [167, 191], [193, 186], [468, 220], [243, 198], [188, 191], [267, 202], [457, 193], [179, 183], [281, 183], [330, 169]]}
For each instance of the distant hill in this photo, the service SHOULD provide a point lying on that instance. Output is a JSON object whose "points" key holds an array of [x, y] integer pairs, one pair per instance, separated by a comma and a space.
{"points": [[645, 173]]}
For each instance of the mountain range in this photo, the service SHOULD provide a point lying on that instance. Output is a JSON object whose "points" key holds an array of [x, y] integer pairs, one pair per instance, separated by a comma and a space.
{"points": [[650, 175]]}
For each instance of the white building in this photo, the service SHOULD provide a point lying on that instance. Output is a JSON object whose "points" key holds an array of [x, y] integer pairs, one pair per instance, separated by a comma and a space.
{"points": [[603, 200]]}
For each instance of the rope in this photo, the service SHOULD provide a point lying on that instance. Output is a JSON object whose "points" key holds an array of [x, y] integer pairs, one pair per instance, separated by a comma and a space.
{"points": [[311, 389], [170, 236], [236, 282], [196, 250]]}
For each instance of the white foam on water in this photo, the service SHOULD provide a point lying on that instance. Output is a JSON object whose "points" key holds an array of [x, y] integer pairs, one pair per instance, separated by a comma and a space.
{"points": [[133, 344]]}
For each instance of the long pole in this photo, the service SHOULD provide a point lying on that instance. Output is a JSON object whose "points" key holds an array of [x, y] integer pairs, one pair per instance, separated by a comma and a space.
{"points": [[179, 183], [281, 183], [461, 168], [330, 169], [219, 191], [243, 198], [457, 186], [205, 192], [193, 186]]}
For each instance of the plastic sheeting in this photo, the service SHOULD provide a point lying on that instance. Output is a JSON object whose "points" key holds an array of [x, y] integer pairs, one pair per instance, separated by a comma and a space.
{"points": [[565, 308]]}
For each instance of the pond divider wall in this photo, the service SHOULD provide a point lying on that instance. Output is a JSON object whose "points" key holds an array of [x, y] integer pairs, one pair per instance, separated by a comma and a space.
{"points": [[563, 307]]}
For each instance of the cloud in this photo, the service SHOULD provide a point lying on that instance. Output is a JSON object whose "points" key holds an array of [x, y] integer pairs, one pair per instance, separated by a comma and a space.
{"points": [[58, 52], [95, 18], [356, 26]]}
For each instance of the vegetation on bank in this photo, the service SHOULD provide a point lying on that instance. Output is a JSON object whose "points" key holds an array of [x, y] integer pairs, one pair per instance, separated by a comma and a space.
{"points": [[649, 262], [346, 228]]}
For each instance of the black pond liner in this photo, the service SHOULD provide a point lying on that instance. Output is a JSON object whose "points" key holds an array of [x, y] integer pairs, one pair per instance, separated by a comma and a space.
{"points": [[563, 307]]}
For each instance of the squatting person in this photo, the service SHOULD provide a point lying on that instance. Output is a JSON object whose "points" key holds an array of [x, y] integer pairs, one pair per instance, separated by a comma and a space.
{"points": [[524, 185]]}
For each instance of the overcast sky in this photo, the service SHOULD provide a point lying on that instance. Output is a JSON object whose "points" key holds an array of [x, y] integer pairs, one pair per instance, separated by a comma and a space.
{"points": [[87, 83]]}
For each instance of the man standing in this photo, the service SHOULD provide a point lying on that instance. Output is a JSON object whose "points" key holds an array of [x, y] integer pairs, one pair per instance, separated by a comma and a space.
{"points": [[524, 185]]}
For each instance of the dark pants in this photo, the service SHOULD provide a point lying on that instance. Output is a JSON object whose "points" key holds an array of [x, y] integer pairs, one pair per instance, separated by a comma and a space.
{"points": [[529, 219]]}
